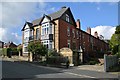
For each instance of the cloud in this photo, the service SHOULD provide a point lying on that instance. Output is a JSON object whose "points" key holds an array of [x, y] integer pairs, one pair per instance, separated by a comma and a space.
{"points": [[106, 31], [7, 36], [14, 14]]}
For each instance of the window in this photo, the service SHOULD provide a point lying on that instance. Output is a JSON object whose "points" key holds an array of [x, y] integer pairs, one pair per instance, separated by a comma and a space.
{"points": [[67, 18], [26, 39], [50, 46], [77, 34], [45, 30], [37, 33], [74, 45], [25, 49], [91, 41], [83, 36], [47, 44], [68, 31], [50, 30], [31, 32], [68, 43], [73, 31]]}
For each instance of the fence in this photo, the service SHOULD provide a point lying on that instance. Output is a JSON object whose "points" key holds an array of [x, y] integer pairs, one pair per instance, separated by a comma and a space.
{"points": [[109, 62]]}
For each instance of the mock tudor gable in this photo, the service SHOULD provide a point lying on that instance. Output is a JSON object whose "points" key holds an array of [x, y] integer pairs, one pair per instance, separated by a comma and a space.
{"points": [[27, 25]]}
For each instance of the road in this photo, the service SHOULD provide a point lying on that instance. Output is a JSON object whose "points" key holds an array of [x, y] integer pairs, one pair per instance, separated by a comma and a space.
{"points": [[24, 70]]}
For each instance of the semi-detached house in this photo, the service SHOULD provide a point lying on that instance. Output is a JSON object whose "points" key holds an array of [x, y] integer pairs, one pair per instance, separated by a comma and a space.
{"points": [[59, 30]]}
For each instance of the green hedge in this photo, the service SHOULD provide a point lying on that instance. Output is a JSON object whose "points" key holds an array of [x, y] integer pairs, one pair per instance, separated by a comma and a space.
{"points": [[56, 60], [9, 51]]}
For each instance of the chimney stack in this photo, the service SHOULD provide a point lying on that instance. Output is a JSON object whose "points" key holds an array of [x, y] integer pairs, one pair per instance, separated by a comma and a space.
{"points": [[78, 24], [96, 34], [88, 30]]}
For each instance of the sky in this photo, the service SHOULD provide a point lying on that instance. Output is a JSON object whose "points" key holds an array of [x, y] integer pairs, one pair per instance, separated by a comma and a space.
{"points": [[100, 16]]}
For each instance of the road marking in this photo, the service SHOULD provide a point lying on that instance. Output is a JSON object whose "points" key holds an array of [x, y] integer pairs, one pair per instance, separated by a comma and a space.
{"points": [[79, 75]]}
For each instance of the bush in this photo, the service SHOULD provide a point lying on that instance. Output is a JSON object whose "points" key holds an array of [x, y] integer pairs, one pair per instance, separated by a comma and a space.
{"points": [[92, 62], [14, 51], [9, 51], [57, 60], [118, 54], [4, 51], [52, 53]]}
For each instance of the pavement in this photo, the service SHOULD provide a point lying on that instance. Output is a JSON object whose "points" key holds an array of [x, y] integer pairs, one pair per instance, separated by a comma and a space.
{"points": [[99, 68]]}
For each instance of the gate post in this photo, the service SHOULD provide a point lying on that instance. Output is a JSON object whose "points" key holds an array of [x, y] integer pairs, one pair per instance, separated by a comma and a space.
{"points": [[105, 63]]}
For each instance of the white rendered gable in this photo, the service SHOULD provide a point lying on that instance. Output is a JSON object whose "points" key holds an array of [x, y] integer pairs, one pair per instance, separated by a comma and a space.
{"points": [[27, 27], [45, 20]]}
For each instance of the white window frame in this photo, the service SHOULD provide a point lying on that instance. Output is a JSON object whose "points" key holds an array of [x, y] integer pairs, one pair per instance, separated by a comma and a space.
{"points": [[73, 31], [77, 33], [37, 34], [67, 18], [68, 31], [45, 29], [68, 44]]}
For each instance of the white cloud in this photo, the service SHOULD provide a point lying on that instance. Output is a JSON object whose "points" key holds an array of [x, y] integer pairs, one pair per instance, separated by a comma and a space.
{"points": [[7, 36], [106, 31]]}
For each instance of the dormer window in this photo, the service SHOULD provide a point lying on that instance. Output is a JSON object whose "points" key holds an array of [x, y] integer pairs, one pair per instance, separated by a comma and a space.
{"points": [[67, 18]]}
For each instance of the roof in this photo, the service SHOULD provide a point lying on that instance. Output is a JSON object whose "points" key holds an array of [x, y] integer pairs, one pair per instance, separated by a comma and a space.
{"points": [[9, 43], [53, 16]]}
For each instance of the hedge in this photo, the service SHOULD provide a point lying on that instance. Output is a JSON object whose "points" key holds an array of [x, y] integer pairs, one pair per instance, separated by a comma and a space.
{"points": [[57, 60], [9, 51]]}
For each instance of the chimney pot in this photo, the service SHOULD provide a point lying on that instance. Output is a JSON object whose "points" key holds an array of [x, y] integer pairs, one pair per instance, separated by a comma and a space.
{"points": [[96, 34], [88, 30]]}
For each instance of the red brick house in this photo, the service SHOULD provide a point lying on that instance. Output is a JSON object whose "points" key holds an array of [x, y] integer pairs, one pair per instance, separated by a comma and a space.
{"points": [[59, 30]]}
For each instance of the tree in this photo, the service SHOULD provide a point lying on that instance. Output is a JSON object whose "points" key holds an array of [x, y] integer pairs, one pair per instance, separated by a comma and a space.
{"points": [[31, 47], [115, 41], [37, 48]]}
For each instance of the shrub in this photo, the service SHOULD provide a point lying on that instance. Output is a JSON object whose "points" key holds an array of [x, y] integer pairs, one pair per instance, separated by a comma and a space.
{"points": [[4, 51], [14, 51], [37, 48], [93, 62], [53, 53], [9, 51], [56, 60]]}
